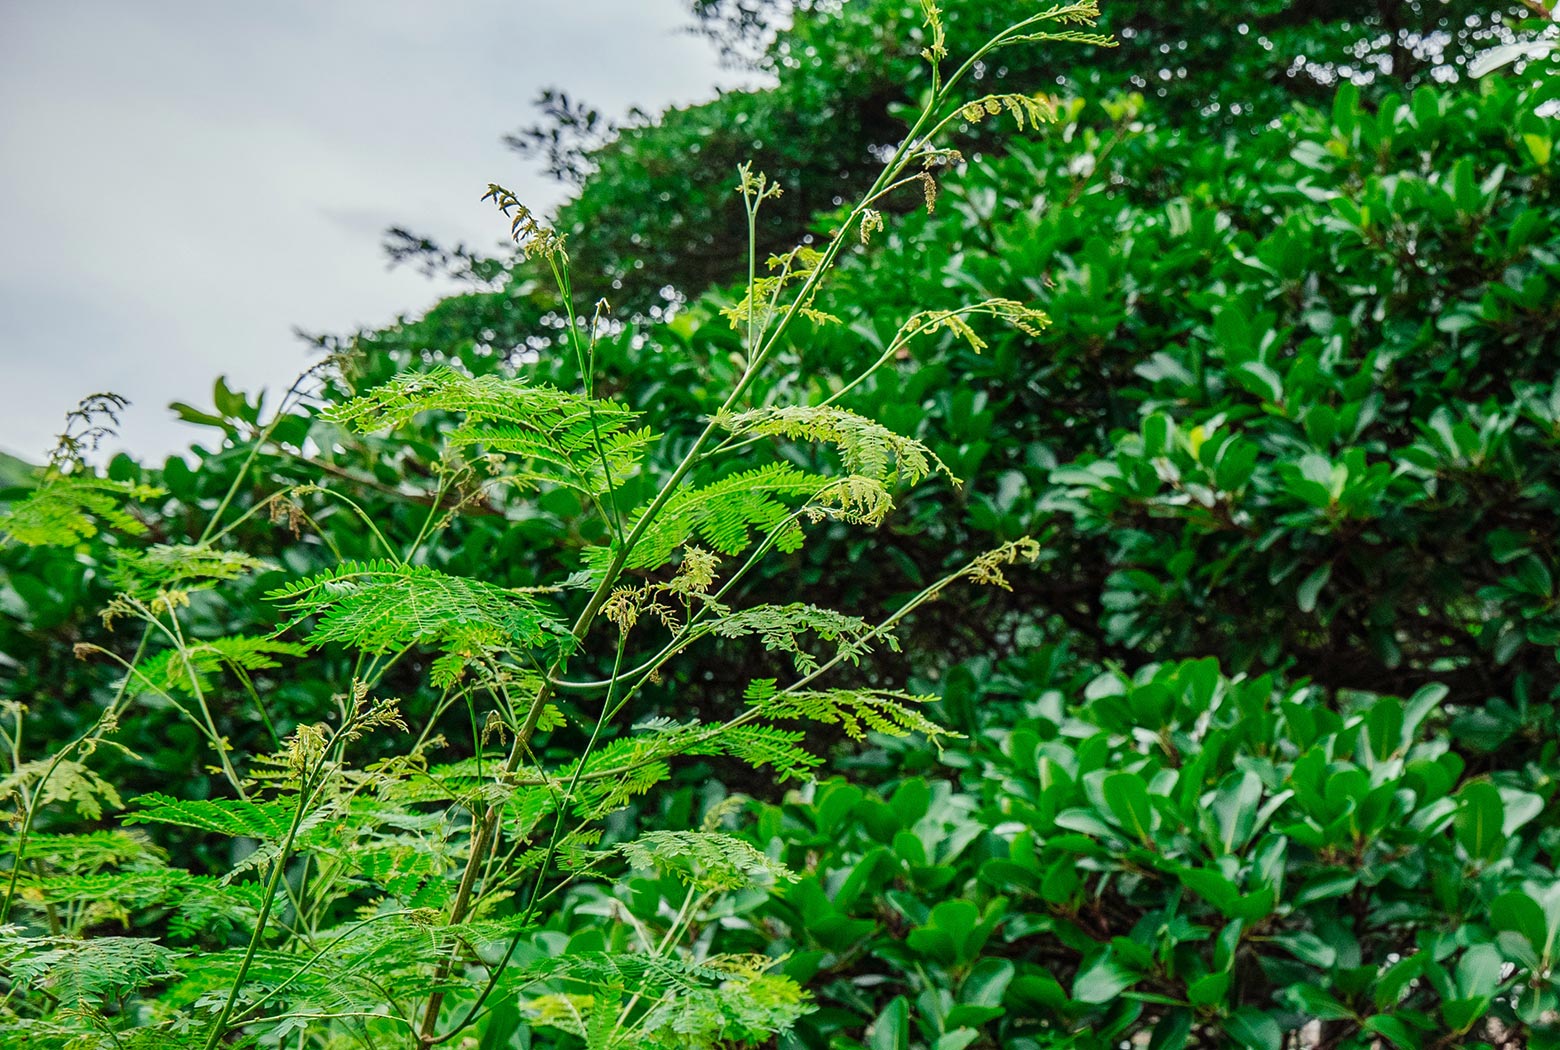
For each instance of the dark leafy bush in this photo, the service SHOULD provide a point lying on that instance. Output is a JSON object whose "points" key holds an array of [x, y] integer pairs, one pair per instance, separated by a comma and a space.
{"points": [[843, 74], [1214, 861]]}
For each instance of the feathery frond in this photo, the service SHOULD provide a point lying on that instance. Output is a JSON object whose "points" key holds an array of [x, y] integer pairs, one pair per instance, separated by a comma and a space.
{"points": [[553, 432], [724, 514], [65, 780], [855, 499], [1084, 13], [86, 973], [762, 297], [762, 745], [856, 711], [267, 820], [163, 566], [724, 1001], [709, 860], [867, 447], [201, 904], [95, 418], [171, 670], [656, 741], [382, 607], [69, 508], [626, 970], [1026, 319], [782, 628], [749, 1008], [987, 568], [87, 852]]}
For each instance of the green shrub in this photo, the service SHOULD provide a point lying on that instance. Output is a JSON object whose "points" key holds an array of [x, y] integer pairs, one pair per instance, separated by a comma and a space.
{"points": [[840, 72], [1214, 861], [1293, 419]]}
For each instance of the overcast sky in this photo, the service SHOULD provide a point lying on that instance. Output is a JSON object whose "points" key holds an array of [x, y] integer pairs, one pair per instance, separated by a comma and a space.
{"points": [[182, 183]]}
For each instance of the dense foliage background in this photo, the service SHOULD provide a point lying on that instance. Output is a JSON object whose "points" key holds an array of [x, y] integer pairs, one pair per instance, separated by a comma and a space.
{"points": [[1261, 753]]}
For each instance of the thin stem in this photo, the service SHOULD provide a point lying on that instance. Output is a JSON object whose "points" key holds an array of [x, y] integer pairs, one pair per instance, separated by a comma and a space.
{"points": [[566, 290], [302, 970], [220, 1027], [260, 438], [752, 268], [218, 742], [434, 506], [760, 348], [109, 715], [927, 594], [363, 515], [552, 845], [673, 932]]}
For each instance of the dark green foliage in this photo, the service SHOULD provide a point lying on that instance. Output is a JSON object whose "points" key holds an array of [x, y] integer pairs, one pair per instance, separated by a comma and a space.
{"points": [[1293, 410], [1177, 852], [844, 73]]}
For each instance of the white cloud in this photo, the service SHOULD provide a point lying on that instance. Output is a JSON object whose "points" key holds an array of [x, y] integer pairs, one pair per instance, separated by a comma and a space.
{"points": [[185, 182]]}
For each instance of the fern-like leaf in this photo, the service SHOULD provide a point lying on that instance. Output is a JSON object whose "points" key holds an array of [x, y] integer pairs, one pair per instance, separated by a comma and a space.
{"points": [[1025, 319], [779, 749], [724, 514], [171, 670], [724, 1001], [382, 607], [758, 303], [86, 974], [624, 970], [782, 628], [565, 438], [64, 781], [856, 711], [267, 821], [69, 508], [748, 1009], [625, 768], [198, 905], [866, 447], [162, 567], [708, 860], [88, 852]]}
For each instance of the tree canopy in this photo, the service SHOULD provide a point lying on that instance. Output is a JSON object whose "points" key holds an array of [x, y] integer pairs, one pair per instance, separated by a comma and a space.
{"points": [[841, 74]]}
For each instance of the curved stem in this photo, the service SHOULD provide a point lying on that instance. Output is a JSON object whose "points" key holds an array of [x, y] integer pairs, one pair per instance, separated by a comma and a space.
{"points": [[220, 1026], [302, 970], [260, 438], [760, 348], [19, 852]]}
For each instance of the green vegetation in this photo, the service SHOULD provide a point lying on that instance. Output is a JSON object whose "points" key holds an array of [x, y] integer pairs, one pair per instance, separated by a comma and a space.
{"points": [[14, 473], [1178, 483]]}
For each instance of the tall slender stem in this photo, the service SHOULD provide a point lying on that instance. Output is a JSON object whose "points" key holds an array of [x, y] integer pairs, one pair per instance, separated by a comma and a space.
{"points": [[760, 346], [219, 1027]]}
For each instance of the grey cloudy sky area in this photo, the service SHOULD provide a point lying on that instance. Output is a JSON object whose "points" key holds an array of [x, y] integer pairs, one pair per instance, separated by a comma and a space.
{"points": [[182, 183]]}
